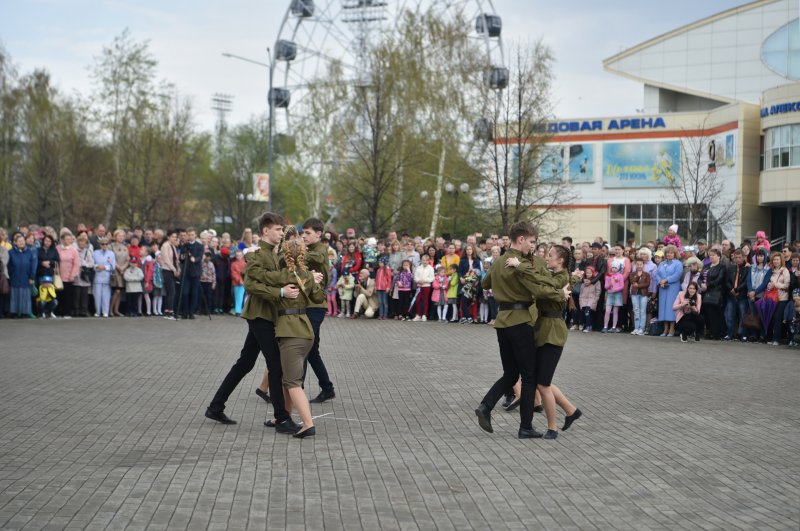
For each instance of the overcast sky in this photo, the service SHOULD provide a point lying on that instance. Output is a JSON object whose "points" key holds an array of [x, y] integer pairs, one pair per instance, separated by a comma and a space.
{"points": [[188, 36]]}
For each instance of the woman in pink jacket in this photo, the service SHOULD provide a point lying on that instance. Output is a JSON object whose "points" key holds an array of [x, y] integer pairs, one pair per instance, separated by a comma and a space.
{"points": [[687, 312], [69, 267]]}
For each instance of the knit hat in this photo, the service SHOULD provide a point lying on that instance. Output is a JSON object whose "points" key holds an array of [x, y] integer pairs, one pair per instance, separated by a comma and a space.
{"points": [[372, 241], [673, 228], [384, 260], [761, 234], [225, 252]]}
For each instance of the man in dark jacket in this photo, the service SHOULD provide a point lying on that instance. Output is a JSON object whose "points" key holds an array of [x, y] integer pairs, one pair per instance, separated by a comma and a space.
{"points": [[600, 264], [736, 305], [192, 258]]}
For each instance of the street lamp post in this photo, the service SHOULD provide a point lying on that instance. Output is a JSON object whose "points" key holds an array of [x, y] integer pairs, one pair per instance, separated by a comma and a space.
{"points": [[271, 102]]}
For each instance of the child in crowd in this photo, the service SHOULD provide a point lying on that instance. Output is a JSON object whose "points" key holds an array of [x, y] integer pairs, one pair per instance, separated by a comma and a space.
{"points": [[483, 301], [237, 282], [452, 292], [46, 301], [157, 294], [672, 238], [383, 283], [590, 295], [345, 286], [439, 295], [148, 265], [134, 278], [404, 280], [640, 295], [330, 291], [208, 282], [614, 283]]}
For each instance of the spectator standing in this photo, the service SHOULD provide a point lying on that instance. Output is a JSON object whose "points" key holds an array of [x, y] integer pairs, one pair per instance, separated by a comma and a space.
{"points": [[84, 279], [22, 265], [713, 291], [383, 285], [423, 276], [615, 285], [134, 287], [736, 303], [208, 282], [668, 276], [237, 281], [757, 282], [779, 282], [105, 265], [403, 281], [122, 258], [170, 270], [69, 268], [192, 258], [640, 295]]}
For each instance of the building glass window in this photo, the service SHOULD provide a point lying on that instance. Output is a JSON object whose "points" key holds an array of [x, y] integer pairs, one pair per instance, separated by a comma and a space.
{"points": [[783, 149], [642, 223]]}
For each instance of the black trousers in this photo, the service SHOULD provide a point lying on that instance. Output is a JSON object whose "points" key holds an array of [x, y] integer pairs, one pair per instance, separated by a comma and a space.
{"points": [[714, 320], [316, 316], [168, 279], [66, 299], [518, 355], [260, 338], [690, 324]]}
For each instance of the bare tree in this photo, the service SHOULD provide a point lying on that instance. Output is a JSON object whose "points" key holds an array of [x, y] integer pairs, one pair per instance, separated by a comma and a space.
{"points": [[525, 179], [701, 187]]}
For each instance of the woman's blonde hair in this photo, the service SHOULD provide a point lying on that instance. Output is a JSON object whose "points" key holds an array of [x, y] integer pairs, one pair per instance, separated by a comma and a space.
{"points": [[294, 254], [672, 248]]}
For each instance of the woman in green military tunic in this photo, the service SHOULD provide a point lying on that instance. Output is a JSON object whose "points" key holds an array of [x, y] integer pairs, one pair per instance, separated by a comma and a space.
{"points": [[294, 332]]}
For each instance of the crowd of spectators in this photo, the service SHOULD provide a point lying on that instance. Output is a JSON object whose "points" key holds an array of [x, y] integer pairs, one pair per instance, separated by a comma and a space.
{"points": [[657, 288]]}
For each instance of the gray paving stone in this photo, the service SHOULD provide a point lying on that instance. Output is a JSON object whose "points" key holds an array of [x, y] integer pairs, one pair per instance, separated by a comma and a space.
{"points": [[101, 427]]}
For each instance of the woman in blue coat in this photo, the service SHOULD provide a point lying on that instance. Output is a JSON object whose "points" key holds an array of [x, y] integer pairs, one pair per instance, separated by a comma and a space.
{"points": [[22, 264], [668, 277]]}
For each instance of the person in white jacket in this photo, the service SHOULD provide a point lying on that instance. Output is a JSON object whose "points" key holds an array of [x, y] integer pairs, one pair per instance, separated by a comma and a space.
{"points": [[423, 277]]}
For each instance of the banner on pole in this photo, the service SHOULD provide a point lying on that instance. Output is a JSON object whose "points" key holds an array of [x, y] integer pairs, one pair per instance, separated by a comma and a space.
{"points": [[261, 187]]}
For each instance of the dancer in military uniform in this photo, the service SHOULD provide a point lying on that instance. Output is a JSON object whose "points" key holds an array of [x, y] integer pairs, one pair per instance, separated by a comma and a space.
{"points": [[514, 290]]}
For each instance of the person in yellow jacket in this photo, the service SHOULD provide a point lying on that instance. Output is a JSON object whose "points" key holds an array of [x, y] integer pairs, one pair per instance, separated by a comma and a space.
{"points": [[47, 301]]}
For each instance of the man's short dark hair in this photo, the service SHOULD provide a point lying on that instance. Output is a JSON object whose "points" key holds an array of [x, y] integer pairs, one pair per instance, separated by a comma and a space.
{"points": [[522, 228], [567, 238], [269, 219], [170, 232], [314, 224], [191, 229]]}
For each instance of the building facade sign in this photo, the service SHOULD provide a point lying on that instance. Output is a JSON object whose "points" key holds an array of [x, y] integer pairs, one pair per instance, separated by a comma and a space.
{"points": [[780, 108], [613, 124], [641, 164]]}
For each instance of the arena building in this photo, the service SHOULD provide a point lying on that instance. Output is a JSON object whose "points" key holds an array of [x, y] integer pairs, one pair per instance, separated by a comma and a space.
{"points": [[721, 105]]}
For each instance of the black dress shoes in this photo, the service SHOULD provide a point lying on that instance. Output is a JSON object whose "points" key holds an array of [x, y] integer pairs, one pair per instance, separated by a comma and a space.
{"points": [[570, 419], [507, 401], [484, 418], [551, 434], [513, 405], [287, 426], [529, 434], [323, 396], [219, 416], [309, 432], [263, 395], [538, 409]]}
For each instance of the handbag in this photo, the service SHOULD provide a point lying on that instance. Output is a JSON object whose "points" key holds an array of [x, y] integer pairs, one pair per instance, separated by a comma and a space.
{"points": [[87, 274], [57, 282], [117, 280], [751, 321], [772, 294]]}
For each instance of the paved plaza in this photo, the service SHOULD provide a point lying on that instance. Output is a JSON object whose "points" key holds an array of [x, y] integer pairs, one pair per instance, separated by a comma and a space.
{"points": [[102, 426]]}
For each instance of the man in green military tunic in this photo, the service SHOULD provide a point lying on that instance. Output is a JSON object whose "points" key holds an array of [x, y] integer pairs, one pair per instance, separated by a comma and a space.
{"points": [[261, 314], [515, 289], [317, 260]]}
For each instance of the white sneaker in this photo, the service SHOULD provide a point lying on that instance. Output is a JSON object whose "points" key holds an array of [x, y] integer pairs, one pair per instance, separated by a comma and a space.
{"points": [[424, 318], [634, 332], [417, 319], [67, 317]]}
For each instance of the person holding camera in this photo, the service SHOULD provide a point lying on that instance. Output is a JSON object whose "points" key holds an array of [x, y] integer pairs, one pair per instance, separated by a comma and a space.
{"points": [[192, 258], [687, 312]]}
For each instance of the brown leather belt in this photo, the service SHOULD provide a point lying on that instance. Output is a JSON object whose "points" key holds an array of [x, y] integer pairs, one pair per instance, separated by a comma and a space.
{"points": [[292, 311], [504, 306]]}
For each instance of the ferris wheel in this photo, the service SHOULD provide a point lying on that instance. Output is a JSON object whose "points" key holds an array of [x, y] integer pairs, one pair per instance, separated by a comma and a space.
{"points": [[316, 34]]}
